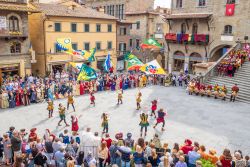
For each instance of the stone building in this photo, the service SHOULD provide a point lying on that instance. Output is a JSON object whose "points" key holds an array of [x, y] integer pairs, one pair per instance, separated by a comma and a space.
{"points": [[15, 52], [199, 31], [145, 23], [87, 28]]}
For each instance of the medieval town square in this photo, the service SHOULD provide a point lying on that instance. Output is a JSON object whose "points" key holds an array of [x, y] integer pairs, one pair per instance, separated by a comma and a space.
{"points": [[124, 83]]}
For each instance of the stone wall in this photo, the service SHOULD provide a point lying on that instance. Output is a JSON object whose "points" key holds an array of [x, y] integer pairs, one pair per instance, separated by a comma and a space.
{"points": [[24, 57]]}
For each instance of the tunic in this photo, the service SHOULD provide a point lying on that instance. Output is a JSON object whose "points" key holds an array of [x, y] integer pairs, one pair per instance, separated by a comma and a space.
{"points": [[50, 106], [75, 126], [70, 99], [144, 121]]}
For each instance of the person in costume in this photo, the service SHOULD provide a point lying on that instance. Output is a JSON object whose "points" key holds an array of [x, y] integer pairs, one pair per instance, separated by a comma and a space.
{"points": [[12, 100], [119, 97], [197, 89], [50, 108], [105, 124], [202, 89], [209, 90], [223, 92], [92, 98], [161, 119], [144, 123], [138, 100], [26, 94], [216, 91], [235, 89], [153, 108], [62, 115], [191, 87], [74, 123], [70, 101]]}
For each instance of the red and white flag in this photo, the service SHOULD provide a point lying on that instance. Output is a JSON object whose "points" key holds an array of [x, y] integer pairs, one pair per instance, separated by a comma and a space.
{"points": [[230, 9]]}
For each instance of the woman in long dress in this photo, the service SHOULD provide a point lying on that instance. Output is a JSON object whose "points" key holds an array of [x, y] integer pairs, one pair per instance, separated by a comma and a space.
{"points": [[77, 89], [81, 86], [5, 100], [39, 93], [74, 89], [12, 100]]}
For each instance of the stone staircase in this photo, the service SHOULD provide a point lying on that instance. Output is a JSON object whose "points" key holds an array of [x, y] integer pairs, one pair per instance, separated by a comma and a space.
{"points": [[241, 78]]}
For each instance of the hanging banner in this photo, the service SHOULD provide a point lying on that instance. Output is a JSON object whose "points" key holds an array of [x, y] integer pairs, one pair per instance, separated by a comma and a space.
{"points": [[3, 23]]}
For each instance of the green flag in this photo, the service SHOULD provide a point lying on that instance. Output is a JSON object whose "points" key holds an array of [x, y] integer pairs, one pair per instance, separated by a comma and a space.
{"points": [[133, 62], [150, 43]]}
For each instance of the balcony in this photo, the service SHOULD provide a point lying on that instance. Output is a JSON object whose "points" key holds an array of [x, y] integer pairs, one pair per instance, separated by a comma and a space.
{"points": [[12, 34], [14, 1], [200, 39]]}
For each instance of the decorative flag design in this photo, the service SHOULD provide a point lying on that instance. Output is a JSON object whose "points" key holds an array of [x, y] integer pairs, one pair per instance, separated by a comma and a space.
{"points": [[150, 43], [230, 9], [65, 45], [107, 63], [86, 73], [153, 67], [77, 66], [133, 62], [90, 56]]}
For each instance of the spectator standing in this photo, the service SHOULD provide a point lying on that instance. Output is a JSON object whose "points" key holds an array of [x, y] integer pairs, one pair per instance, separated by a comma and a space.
{"points": [[193, 156]]}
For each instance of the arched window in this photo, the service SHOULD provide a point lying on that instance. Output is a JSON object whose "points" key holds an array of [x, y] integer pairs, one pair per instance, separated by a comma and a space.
{"points": [[195, 28], [15, 47], [13, 23], [228, 29], [183, 28]]}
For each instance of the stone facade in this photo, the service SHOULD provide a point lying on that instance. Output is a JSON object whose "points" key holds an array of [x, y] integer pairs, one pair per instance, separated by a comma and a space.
{"points": [[15, 44], [213, 25]]}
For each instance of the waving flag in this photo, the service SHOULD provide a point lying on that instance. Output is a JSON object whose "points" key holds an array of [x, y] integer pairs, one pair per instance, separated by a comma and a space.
{"points": [[133, 62], [86, 73], [65, 45], [153, 67], [150, 43], [90, 56], [107, 63]]}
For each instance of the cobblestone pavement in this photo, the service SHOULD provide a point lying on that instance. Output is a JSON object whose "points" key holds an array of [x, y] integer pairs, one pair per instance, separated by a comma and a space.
{"points": [[214, 123]]}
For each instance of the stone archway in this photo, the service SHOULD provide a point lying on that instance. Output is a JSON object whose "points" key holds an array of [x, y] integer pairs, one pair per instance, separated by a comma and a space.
{"points": [[179, 60], [217, 52], [193, 59]]}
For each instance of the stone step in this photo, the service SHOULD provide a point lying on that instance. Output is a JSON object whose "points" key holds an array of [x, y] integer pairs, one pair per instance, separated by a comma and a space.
{"points": [[239, 82], [230, 85]]}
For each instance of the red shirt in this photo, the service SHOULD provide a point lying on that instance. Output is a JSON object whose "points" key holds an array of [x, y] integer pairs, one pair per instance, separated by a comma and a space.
{"points": [[225, 162]]}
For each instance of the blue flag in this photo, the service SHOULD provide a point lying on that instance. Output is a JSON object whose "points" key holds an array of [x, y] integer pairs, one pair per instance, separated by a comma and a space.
{"points": [[107, 63]]}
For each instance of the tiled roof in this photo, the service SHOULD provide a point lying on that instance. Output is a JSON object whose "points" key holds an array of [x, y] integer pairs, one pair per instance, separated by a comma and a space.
{"points": [[188, 15], [64, 10], [141, 12], [125, 22], [16, 7]]}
